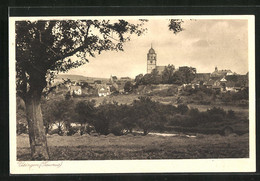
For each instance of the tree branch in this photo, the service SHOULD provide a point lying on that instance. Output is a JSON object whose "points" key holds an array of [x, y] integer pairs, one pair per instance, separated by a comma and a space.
{"points": [[84, 45]]}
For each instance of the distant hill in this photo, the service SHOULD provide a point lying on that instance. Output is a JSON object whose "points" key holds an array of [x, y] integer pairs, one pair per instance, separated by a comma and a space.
{"points": [[79, 77]]}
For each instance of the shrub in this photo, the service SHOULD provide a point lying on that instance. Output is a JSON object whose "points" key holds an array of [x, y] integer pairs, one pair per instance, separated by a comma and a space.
{"points": [[182, 108], [176, 120], [188, 121], [72, 131], [101, 125], [116, 129], [199, 95], [231, 114], [194, 112], [216, 111], [67, 96], [128, 86], [216, 114], [183, 120], [85, 111], [56, 131]]}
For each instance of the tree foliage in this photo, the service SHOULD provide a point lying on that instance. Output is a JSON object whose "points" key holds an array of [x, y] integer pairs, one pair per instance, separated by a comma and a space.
{"points": [[85, 111], [146, 114], [59, 113], [138, 79], [168, 74], [175, 25], [128, 86]]}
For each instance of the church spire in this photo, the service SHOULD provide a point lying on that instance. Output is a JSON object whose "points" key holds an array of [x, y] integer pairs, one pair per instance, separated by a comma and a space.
{"points": [[151, 45]]}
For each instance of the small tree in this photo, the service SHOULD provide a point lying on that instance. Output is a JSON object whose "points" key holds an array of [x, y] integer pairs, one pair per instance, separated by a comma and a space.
{"points": [[156, 78], [178, 78], [168, 74], [147, 79], [138, 79], [105, 114], [188, 74], [146, 115], [216, 114], [62, 113], [231, 114], [85, 113], [125, 117], [182, 108], [128, 86]]}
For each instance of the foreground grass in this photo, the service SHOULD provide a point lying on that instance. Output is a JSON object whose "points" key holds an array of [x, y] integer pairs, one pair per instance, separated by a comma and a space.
{"points": [[139, 147]]}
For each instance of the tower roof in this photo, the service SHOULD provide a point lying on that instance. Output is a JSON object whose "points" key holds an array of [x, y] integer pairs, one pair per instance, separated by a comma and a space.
{"points": [[151, 51]]}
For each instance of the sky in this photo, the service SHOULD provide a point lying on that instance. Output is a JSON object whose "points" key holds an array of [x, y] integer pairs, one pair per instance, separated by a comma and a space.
{"points": [[203, 44]]}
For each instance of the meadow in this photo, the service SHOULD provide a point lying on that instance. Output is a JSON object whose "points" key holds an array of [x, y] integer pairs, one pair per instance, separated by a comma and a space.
{"points": [[129, 147]]}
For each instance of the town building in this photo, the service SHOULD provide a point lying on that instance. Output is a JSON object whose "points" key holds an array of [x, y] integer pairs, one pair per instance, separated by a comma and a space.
{"points": [[103, 90], [75, 90], [160, 69], [221, 73]]}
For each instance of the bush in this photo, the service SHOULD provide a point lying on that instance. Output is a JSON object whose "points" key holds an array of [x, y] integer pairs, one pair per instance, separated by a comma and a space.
{"points": [[128, 86], [176, 120], [216, 114], [183, 120], [67, 96], [101, 126], [116, 129], [56, 131], [194, 112], [231, 114], [72, 131], [216, 111], [182, 108]]}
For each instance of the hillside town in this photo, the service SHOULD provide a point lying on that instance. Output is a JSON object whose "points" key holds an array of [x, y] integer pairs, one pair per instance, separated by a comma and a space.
{"points": [[219, 80]]}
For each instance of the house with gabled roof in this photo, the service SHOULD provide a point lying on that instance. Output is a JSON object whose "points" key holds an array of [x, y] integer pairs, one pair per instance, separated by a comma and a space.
{"points": [[75, 89], [221, 73], [103, 90]]}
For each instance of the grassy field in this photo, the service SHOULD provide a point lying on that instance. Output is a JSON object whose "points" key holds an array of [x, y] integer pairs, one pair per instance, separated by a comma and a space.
{"points": [[129, 147]]}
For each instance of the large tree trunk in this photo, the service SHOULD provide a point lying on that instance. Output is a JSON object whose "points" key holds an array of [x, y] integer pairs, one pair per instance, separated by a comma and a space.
{"points": [[38, 142]]}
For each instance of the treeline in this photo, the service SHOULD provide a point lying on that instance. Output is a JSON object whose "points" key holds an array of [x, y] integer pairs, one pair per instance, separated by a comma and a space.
{"points": [[206, 96], [168, 76], [110, 117]]}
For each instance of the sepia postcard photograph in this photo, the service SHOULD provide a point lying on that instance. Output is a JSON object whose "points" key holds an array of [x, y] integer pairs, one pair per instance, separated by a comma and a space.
{"points": [[132, 94]]}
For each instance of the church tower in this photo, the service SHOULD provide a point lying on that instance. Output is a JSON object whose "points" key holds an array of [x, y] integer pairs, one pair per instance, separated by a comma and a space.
{"points": [[151, 60]]}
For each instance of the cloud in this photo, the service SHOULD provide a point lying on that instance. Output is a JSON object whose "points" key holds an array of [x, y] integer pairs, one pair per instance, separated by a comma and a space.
{"points": [[201, 43]]}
